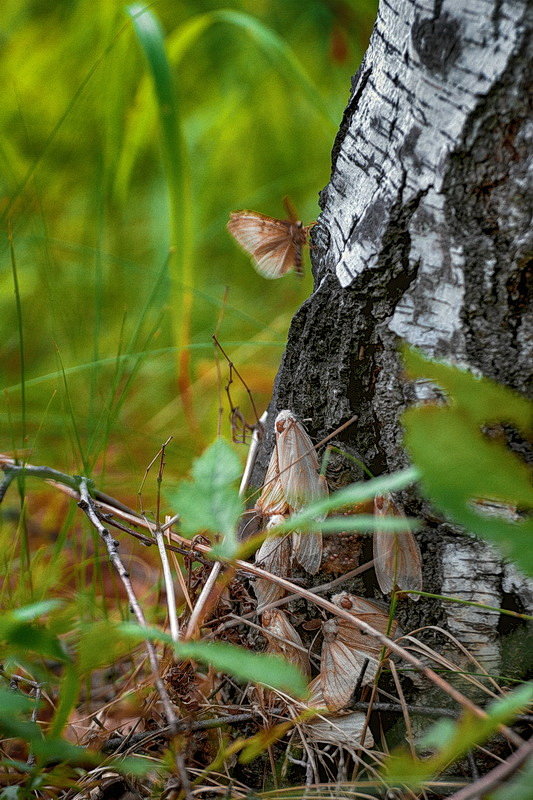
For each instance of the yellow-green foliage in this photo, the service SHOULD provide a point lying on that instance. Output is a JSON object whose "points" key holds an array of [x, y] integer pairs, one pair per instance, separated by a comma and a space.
{"points": [[260, 88]]}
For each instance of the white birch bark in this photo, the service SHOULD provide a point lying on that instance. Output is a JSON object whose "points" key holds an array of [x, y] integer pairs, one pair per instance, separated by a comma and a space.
{"points": [[424, 235]]}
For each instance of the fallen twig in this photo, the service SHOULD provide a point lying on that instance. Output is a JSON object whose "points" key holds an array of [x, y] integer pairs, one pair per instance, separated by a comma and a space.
{"points": [[496, 776], [292, 588], [86, 504], [114, 743]]}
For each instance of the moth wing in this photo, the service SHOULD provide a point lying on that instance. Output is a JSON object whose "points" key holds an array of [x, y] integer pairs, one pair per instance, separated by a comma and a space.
{"points": [[274, 556], [298, 462], [375, 613], [410, 564], [397, 557], [397, 561], [281, 257], [341, 731], [384, 556], [272, 499], [307, 550], [277, 628], [266, 239], [340, 668]]}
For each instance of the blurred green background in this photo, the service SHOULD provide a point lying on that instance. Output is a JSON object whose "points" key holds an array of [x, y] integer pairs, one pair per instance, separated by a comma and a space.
{"points": [[87, 222]]}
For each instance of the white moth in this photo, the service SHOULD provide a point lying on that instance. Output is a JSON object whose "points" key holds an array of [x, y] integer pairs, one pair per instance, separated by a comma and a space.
{"points": [[274, 556], [301, 483], [277, 628], [272, 499], [347, 651], [397, 559], [342, 730]]}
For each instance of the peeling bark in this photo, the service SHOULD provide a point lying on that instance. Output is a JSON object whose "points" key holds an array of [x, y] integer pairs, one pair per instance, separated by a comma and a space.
{"points": [[424, 235]]}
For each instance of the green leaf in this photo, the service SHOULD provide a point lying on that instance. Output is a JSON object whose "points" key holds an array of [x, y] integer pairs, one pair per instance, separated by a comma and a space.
{"points": [[54, 749], [21, 635], [350, 495], [483, 400], [359, 522], [453, 740], [519, 788], [98, 646], [247, 666], [243, 664], [14, 703], [460, 465], [210, 502], [31, 612]]}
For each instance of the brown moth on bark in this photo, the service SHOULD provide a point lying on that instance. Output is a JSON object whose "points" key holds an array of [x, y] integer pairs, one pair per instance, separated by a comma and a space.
{"points": [[274, 556], [284, 639], [301, 482], [342, 730]]}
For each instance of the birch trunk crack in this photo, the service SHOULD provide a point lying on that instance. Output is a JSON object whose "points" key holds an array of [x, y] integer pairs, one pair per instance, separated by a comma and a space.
{"points": [[424, 236]]}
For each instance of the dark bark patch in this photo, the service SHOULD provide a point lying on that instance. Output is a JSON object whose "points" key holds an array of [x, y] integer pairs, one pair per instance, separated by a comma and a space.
{"points": [[358, 87], [437, 42], [407, 152], [489, 209], [371, 223]]}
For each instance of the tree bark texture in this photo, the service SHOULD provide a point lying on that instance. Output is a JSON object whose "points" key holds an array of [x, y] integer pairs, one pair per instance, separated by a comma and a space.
{"points": [[424, 236]]}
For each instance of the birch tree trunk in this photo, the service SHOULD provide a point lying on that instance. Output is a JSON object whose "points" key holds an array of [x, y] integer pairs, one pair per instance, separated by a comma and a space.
{"points": [[423, 236]]}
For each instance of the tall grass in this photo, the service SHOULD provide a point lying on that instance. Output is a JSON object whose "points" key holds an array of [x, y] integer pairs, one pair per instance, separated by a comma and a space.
{"points": [[126, 140]]}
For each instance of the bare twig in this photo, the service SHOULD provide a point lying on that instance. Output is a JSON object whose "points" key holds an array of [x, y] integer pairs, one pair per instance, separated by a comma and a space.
{"points": [[196, 615], [116, 743], [158, 535], [87, 506], [252, 454], [496, 776], [194, 621], [233, 369]]}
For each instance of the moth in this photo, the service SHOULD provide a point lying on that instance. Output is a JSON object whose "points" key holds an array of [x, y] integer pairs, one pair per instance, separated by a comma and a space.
{"points": [[277, 628], [301, 483], [275, 244], [397, 559], [342, 730], [274, 556], [272, 499], [347, 651]]}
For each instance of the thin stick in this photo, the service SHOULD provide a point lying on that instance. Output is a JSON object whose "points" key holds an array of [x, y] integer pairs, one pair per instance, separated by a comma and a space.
{"points": [[198, 611], [320, 589], [215, 572], [87, 506], [496, 776], [114, 744], [167, 573], [432, 676], [252, 454], [234, 369]]}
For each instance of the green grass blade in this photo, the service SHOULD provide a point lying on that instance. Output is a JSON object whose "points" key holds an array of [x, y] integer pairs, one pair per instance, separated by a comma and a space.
{"points": [[150, 37], [275, 49]]}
